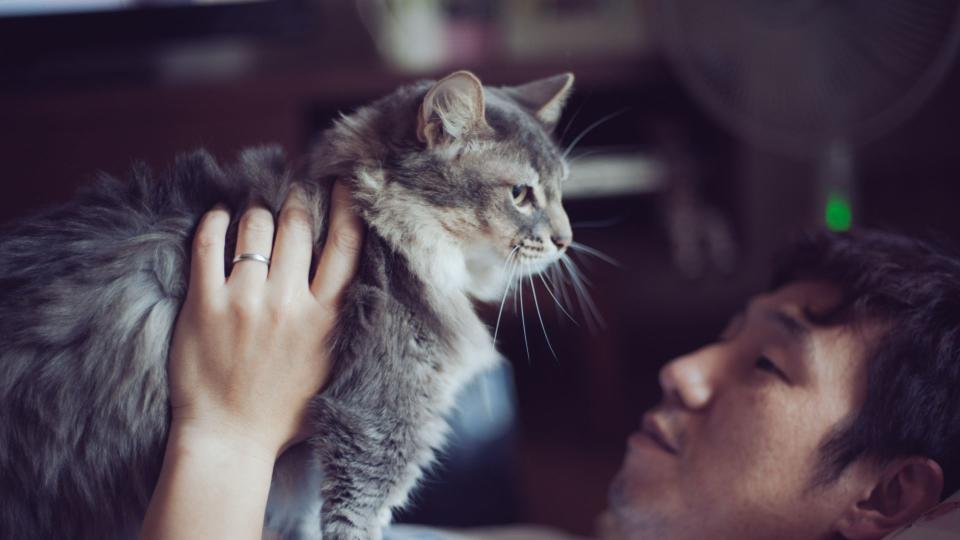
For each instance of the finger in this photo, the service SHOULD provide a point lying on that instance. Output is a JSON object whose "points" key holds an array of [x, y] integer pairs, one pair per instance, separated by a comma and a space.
{"points": [[341, 251], [254, 236], [294, 246], [206, 265]]}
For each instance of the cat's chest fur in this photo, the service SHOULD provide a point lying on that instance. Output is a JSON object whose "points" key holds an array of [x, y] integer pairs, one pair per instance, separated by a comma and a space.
{"points": [[429, 309], [472, 348], [408, 341], [432, 278]]}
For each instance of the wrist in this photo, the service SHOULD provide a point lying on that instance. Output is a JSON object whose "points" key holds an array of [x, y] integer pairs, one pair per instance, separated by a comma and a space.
{"points": [[214, 484], [219, 441]]}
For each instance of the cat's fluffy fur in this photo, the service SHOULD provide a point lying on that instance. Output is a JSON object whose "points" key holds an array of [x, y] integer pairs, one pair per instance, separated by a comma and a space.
{"points": [[89, 293]]}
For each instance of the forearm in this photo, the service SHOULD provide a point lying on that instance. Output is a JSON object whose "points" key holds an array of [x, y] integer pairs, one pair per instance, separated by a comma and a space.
{"points": [[211, 486]]}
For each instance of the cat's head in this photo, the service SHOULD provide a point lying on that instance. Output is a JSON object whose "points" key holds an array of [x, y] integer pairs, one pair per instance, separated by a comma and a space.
{"points": [[480, 173]]}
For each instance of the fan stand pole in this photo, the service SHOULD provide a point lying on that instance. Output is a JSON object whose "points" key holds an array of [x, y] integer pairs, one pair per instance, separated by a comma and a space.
{"points": [[836, 171]]}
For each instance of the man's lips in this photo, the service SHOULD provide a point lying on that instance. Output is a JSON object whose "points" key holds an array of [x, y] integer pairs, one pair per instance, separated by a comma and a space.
{"points": [[653, 428]]}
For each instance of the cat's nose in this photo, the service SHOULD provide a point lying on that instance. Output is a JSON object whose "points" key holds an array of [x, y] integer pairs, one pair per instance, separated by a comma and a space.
{"points": [[561, 241]]}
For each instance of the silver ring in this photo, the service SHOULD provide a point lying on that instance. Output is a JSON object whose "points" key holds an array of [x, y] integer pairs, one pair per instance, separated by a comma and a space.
{"points": [[251, 257]]}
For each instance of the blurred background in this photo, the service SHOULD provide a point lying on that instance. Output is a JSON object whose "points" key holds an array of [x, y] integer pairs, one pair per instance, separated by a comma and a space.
{"points": [[702, 135]]}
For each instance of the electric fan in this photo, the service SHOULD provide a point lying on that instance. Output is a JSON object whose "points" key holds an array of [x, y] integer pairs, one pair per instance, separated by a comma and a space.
{"points": [[811, 78]]}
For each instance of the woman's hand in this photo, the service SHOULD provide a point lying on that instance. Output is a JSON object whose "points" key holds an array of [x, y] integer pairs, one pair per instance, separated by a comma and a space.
{"points": [[250, 351], [248, 354]]}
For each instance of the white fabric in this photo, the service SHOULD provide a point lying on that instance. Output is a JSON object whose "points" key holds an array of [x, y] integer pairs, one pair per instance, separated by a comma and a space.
{"points": [[518, 532], [942, 522]]}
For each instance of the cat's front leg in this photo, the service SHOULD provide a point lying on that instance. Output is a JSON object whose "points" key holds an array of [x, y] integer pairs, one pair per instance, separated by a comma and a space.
{"points": [[294, 501], [371, 459]]}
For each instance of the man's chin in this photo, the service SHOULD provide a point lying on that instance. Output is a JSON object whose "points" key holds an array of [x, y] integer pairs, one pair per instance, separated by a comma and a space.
{"points": [[618, 494], [635, 510], [630, 524], [621, 515], [606, 527]]}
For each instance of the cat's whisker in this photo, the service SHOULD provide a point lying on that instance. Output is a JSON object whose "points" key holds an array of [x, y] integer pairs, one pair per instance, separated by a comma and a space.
{"points": [[557, 274], [506, 291], [516, 291], [585, 285], [590, 312], [511, 281], [536, 304], [546, 279], [510, 256], [597, 224], [574, 116], [579, 297], [590, 128], [559, 305], [578, 157], [577, 246], [576, 270], [523, 322]]}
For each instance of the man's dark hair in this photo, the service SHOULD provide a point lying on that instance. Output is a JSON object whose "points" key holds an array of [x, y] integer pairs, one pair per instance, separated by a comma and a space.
{"points": [[909, 290]]}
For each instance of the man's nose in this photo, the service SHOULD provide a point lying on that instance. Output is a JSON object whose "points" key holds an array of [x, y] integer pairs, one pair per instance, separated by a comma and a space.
{"points": [[689, 380]]}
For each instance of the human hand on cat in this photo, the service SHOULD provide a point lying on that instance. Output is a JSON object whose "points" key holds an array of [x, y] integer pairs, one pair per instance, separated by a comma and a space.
{"points": [[249, 351]]}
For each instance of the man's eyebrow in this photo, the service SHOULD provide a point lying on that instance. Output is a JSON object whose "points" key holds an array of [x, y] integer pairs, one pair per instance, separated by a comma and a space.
{"points": [[793, 326]]}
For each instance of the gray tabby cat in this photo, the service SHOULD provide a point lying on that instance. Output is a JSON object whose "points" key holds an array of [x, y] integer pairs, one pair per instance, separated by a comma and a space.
{"points": [[453, 179]]}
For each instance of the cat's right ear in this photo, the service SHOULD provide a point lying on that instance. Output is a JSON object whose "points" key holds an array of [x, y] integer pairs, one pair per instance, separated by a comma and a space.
{"points": [[452, 108], [545, 98]]}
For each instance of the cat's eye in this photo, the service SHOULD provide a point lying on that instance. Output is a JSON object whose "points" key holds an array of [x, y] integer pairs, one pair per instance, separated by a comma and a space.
{"points": [[765, 364], [520, 194]]}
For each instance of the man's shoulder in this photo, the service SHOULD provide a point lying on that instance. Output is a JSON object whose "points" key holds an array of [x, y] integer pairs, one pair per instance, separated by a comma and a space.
{"points": [[513, 532]]}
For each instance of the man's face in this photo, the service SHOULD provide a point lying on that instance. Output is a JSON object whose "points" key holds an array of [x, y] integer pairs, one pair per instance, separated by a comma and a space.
{"points": [[732, 449]]}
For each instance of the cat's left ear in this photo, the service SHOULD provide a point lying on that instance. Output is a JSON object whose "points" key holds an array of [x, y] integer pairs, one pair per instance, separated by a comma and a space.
{"points": [[544, 97], [451, 109]]}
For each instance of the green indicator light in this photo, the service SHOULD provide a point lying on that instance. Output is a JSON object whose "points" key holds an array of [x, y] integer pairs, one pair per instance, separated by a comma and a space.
{"points": [[839, 216]]}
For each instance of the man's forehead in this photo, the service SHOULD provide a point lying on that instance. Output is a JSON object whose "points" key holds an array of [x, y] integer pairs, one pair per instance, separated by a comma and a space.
{"points": [[800, 297]]}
